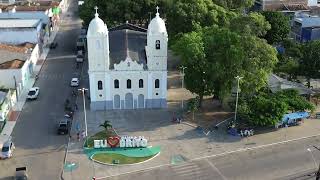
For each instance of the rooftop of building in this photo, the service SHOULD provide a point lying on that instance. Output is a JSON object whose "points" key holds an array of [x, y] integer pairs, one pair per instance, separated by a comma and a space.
{"points": [[13, 57], [127, 40], [30, 6], [19, 23]]}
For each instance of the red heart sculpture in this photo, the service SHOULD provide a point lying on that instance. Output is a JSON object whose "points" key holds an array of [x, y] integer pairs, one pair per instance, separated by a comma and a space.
{"points": [[113, 141]]}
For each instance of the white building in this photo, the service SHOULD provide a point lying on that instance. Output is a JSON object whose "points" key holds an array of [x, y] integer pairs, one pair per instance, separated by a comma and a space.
{"points": [[17, 64], [127, 66], [18, 31]]}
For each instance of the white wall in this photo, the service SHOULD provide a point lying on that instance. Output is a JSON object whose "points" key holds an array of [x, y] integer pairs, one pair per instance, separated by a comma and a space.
{"points": [[6, 77], [26, 15], [18, 36], [312, 2]]}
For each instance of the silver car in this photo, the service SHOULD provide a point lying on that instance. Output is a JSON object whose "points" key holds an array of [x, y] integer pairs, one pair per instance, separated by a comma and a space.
{"points": [[7, 150]]}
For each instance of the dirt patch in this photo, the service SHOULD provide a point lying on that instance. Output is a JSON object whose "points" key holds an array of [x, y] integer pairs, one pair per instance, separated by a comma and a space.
{"points": [[209, 115]]}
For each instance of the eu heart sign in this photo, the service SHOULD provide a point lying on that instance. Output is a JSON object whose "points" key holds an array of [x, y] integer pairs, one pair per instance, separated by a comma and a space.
{"points": [[123, 141]]}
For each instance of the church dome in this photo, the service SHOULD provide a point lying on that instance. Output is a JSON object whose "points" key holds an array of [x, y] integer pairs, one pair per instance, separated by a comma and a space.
{"points": [[97, 26], [157, 25]]}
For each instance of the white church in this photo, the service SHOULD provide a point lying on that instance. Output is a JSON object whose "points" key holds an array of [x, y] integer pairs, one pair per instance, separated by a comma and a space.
{"points": [[127, 65]]}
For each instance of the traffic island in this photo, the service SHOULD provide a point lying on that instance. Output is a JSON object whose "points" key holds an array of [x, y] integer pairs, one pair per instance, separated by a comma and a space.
{"points": [[106, 147], [123, 156]]}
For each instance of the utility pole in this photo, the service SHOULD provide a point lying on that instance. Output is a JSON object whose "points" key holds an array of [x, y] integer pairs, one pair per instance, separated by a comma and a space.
{"points": [[15, 86], [85, 113], [182, 83], [235, 112]]}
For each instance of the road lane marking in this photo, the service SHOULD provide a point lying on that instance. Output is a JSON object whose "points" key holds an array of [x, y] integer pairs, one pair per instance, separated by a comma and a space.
{"points": [[214, 155], [216, 169]]}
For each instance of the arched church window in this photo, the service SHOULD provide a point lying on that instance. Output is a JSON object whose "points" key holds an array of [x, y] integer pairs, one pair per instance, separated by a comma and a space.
{"points": [[140, 83], [99, 85], [98, 45], [157, 44], [128, 84], [157, 83], [116, 83]]}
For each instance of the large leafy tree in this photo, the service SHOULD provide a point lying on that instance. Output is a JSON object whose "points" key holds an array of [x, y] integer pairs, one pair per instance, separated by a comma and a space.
{"points": [[310, 62], [252, 24], [289, 59], [235, 4], [280, 26], [214, 56], [190, 15], [120, 11], [190, 47], [267, 109], [231, 54]]}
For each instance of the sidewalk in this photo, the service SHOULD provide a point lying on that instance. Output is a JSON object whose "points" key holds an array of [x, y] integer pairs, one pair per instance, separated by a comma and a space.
{"points": [[174, 139]]}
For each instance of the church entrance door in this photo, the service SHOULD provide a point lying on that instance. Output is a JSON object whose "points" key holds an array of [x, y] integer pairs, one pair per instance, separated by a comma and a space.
{"points": [[116, 102], [141, 101], [129, 101]]}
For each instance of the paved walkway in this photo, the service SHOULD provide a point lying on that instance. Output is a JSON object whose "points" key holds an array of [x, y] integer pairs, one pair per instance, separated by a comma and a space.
{"points": [[175, 140]]}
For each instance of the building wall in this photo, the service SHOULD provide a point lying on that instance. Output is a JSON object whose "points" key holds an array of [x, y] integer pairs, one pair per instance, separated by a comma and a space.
{"points": [[42, 15], [22, 75], [105, 98], [18, 36], [7, 77]]}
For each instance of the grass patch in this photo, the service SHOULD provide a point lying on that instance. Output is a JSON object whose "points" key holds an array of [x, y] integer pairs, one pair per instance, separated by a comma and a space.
{"points": [[99, 135], [110, 157]]}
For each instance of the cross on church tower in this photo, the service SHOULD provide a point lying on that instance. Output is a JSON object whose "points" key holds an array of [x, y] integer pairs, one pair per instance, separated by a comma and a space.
{"points": [[96, 8], [157, 10]]}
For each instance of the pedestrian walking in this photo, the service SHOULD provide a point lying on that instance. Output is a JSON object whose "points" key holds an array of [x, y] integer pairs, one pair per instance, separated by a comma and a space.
{"points": [[83, 134], [75, 106], [78, 136]]}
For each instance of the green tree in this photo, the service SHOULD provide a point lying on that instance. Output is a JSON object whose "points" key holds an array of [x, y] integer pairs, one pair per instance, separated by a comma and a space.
{"points": [[231, 54], [294, 101], [267, 109], [280, 26], [193, 105], [235, 4], [289, 59], [310, 62], [120, 11], [106, 125], [190, 15], [253, 24], [197, 74]]}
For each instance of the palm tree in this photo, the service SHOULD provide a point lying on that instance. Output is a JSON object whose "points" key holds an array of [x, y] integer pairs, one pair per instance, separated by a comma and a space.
{"points": [[106, 125]]}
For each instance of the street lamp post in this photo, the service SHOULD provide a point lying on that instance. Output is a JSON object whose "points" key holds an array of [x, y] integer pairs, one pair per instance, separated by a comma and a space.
{"points": [[85, 113], [182, 83], [235, 112]]}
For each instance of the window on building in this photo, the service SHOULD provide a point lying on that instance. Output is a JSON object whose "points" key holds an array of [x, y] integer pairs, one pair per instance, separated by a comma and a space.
{"points": [[157, 44], [157, 83], [140, 83], [99, 85], [116, 83], [128, 84]]}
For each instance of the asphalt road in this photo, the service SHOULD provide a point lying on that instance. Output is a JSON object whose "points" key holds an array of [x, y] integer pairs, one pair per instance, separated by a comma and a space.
{"points": [[37, 144], [286, 161]]}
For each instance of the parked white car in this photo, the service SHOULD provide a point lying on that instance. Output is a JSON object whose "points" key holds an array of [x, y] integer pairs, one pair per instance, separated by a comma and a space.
{"points": [[7, 149], [33, 93], [74, 82], [79, 58]]}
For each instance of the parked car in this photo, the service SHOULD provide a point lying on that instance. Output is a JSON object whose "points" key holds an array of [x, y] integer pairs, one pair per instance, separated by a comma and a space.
{"points": [[63, 127], [74, 82], [21, 173], [7, 149], [53, 45], [79, 58], [33, 93]]}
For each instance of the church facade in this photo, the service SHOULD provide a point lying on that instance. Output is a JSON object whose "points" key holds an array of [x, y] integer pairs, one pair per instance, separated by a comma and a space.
{"points": [[127, 65]]}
